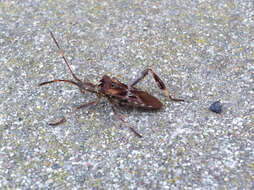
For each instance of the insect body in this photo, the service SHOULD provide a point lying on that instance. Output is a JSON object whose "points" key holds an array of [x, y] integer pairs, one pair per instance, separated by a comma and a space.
{"points": [[114, 91]]}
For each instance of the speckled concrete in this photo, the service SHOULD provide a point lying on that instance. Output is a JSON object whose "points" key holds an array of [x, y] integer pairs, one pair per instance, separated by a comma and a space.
{"points": [[203, 51]]}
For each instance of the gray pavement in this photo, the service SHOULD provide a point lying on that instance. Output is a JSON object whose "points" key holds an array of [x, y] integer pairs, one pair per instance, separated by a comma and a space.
{"points": [[202, 50]]}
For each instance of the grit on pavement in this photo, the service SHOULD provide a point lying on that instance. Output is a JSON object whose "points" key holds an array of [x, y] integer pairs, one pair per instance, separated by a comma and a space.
{"points": [[202, 50]]}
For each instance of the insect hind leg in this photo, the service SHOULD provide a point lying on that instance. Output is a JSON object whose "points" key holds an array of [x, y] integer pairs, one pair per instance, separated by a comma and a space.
{"points": [[158, 81]]}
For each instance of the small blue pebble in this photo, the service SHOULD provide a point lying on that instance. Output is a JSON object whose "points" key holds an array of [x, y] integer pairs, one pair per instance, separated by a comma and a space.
{"points": [[56, 166], [216, 107]]}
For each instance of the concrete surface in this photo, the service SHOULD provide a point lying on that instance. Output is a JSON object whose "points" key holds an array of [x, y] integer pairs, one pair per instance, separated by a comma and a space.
{"points": [[203, 51]]}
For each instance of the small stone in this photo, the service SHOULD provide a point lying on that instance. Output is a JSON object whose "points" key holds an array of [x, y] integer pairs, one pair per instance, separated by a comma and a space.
{"points": [[216, 107], [56, 166]]}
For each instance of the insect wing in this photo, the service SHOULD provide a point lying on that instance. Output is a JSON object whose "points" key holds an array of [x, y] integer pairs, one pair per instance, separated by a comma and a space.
{"points": [[137, 98], [146, 100]]}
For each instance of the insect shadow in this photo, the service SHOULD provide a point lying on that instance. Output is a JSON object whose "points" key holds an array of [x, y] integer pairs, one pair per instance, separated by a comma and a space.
{"points": [[117, 93]]}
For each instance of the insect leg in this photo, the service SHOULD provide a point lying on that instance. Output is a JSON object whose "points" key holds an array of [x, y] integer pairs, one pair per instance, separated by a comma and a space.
{"points": [[159, 82], [125, 122], [75, 109]]}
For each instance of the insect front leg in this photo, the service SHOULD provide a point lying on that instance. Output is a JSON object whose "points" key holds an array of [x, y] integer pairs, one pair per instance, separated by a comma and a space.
{"points": [[75, 109], [158, 81]]}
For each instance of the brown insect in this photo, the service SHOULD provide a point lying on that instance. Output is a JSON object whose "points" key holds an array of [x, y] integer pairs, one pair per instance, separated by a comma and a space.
{"points": [[114, 91]]}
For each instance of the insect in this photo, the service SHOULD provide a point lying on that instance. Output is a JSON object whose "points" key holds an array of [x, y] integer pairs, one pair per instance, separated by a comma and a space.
{"points": [[114, 91]]}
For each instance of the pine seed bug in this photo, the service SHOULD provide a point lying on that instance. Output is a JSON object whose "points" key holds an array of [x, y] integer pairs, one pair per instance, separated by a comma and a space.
{"points": [[114, 91]]}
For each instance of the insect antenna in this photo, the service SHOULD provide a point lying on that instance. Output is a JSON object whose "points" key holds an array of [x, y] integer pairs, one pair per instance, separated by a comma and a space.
{"points": [[61, 53]]}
